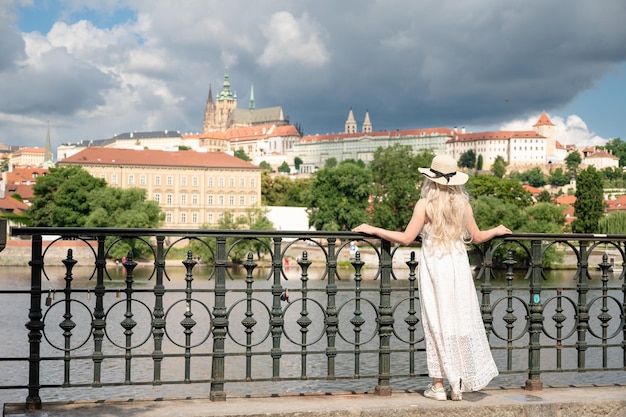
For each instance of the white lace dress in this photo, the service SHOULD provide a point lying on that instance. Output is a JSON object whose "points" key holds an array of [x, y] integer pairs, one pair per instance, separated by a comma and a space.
{"points": [[456, 344]]}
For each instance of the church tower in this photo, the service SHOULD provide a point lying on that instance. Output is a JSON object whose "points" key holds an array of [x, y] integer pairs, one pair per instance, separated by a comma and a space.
{"points": [[350, 123], [217, 114], [209, 113], [367, 124], [547, 129]]}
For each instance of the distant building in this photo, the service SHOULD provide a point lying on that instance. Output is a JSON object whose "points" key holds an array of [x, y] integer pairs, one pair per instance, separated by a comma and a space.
{"points": [[27, 157], [222, 113], [351, 126], [269, 143], [314, 150], [601, 160], [518, 148], [192, 188], [156, 140], [20, 181]]}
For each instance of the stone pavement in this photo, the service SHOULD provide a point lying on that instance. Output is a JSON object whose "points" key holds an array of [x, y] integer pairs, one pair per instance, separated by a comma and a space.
{"points": [[589, 401]]}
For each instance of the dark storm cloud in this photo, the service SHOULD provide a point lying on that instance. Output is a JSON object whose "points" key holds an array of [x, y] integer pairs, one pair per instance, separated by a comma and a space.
{"points": [[409, 63], [437, 63], [58, 85]]}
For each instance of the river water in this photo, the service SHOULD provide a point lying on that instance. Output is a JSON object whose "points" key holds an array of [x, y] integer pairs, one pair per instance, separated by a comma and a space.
{"points": [[14, 313]]}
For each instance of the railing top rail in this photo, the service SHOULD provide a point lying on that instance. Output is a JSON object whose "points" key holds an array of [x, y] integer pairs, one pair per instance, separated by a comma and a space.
{"points": [[84, 232]]}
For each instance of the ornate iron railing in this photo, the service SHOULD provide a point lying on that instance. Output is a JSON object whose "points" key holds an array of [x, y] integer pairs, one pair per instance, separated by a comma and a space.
{"points": [[301, 308]]}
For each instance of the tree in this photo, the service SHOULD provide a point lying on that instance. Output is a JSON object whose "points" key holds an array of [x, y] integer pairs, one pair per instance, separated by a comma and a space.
{"points": [[123, 208], [499, 167], [559, 178], [479, 163], [284, 167], [339, 197], [614, 223], [544, 218], [239, 153], [468, 159], [613, 173], [504, 189], [535, 177], [330, 162], [544, 197], [396, 179], [490, 211], [62, 198], [572, 160], [589, 207], [264, 165], [297, 161]]}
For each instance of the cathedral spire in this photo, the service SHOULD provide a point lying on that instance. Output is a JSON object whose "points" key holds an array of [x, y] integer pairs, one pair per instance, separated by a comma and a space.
{"points": [[48, 156], [210, 99], [225, 94], [252, 97], [350, 123], [367, 124]]}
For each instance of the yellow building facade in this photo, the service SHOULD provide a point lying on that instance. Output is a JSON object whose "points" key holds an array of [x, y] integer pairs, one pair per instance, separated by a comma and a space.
{"points": [[194, 189]]}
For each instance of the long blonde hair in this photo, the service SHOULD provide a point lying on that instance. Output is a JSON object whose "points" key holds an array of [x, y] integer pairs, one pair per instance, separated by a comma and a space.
{"points": [[446, 211]]}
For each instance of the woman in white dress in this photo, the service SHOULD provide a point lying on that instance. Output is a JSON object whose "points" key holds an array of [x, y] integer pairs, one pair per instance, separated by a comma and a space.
{"points": [[456, 344]]}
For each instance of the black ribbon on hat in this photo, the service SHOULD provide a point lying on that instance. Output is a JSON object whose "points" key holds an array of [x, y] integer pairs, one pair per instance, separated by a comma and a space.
{"points": [[441, 174]]}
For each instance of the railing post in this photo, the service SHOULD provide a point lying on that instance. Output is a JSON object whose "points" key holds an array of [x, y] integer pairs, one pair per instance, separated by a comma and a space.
{"points": [[583, 309], [35, 325], [158, 322], [304, 321], [220, 322], [534, 383], [509, 318], [385, 321], [249, 321], [624, 323], [277, 321], [128, 324], [332, 321], [98, 324], [188, 322], [485, 290], [357, 320], [412, 319], [67, 324]]}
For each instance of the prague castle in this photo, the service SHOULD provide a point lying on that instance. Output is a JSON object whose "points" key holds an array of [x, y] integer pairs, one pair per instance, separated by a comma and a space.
{"points": [[222, 113]]}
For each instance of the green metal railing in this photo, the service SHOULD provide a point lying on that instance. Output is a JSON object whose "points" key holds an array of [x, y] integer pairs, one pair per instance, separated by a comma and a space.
{"points": [[357, 319]]}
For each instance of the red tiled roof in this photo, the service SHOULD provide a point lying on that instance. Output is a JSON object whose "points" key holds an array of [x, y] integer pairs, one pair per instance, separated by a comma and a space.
{"points": [[29, 150], [111, 156], [566, 199], [22, 174], [23, 190], [544, 120], [495, 135], [208, 135], [248, 132], [531, 189], [11, 205], [601, 154]]}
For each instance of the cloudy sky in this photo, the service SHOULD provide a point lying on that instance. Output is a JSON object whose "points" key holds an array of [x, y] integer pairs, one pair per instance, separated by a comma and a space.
{"points": [[95, 68]]}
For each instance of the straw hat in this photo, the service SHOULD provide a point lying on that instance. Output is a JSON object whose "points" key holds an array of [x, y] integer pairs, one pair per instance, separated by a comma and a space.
{"points": [[443, 170]]}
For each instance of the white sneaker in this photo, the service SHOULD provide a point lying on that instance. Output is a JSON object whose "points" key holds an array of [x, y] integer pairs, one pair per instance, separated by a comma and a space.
{"points": [[438, 394], [456, 396]]}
